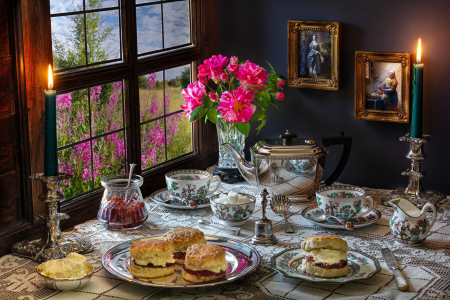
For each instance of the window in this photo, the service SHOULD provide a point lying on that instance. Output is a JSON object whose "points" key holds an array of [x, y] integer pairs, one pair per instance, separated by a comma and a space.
{"points": [[119, 97]]}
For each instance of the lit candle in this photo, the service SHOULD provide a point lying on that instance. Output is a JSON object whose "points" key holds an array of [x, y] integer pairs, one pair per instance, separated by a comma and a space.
{"points": [[50, 146], [416, 124]]}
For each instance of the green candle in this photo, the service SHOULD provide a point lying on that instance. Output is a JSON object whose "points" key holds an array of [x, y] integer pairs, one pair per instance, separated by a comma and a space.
{"points": [[50, 144], [416, 123]]}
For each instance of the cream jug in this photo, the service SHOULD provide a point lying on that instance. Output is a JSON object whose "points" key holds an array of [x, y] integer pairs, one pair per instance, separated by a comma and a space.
{"points": [[409, 225]]}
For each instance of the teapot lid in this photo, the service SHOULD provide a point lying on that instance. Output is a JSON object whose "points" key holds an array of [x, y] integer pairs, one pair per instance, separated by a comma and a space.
{"points": [[288, 145]]}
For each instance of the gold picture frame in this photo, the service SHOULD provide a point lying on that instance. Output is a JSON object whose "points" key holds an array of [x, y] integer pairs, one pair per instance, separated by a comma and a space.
{"points": [[382, 86], [313, 55]]}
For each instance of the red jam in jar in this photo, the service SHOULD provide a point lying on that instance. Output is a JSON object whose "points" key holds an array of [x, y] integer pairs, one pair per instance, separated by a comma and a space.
{"points": [[122, 206]]}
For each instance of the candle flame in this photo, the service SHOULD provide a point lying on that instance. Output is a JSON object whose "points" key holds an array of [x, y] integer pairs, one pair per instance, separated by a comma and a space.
{"points": [[50, 78], [419, 52]]}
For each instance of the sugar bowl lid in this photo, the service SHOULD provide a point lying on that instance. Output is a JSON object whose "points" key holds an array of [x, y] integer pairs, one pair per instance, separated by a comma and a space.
{"points": [[287, 146]]}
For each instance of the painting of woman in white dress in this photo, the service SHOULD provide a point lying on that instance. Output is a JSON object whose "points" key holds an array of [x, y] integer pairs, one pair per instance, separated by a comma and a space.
{"points": [[315, 54]]}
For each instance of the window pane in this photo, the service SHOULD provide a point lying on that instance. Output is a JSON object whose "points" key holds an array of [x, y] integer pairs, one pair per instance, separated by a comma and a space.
{"points": [[179, 135], [176, 23], [176, 80], [61, 6], [145, 1], [103, 36], [96, 4], [106, 108], [68, 42], [151, 96], [152, 144], [149, 28], [72, 117], [76, 161], [109, 156]]}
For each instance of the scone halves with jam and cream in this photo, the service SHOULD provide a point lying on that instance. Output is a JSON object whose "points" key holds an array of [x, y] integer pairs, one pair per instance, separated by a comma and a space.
{"points": [[152, 258], [325, 256], [182, 238], [204, 262]]}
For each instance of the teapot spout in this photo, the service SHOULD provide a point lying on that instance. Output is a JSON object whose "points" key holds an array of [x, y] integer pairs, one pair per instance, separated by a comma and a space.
{"points": [[246, 169]]}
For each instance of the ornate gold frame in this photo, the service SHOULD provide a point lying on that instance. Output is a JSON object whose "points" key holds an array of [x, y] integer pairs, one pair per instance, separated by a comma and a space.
{"points": [[361, 113], [294, 80]]}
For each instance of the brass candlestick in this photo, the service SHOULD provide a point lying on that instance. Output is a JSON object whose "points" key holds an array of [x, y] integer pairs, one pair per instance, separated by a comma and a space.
{"points": [[263, 227], [415, 192], [53, 244]]}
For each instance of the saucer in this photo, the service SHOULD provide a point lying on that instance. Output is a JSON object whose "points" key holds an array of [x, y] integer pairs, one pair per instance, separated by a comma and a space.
{"points": [[162, 195], [312, 213]]}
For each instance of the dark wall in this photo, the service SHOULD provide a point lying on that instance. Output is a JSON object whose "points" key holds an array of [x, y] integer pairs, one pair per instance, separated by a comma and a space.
{"points": [[257, 30]]}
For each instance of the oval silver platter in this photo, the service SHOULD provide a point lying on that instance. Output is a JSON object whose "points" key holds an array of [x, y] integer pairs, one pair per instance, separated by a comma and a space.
{"points": [[241, 259]]}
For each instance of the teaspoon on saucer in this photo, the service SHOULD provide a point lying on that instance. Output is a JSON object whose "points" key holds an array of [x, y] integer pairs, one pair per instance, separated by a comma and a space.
{"points": [[347, 225]]}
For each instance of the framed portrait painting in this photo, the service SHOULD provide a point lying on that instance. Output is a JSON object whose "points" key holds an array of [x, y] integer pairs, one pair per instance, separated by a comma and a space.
{"points": [[382, 86], [313, 54]]}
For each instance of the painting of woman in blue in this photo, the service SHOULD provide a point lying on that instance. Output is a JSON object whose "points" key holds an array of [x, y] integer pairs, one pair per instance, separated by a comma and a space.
{"points": [[314, 58], [389, 91]]}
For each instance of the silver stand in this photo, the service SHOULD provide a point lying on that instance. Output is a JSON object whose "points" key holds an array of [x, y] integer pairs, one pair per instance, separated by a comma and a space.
{"points": [[53, 244], [415, 192], [263, 227]]}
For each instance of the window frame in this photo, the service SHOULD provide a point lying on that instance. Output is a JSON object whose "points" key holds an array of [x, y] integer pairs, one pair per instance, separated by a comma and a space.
{"points": [[205, 148]]}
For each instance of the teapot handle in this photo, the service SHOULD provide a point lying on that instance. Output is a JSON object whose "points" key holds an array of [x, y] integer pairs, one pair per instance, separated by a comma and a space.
{"points": [[338, 140]]}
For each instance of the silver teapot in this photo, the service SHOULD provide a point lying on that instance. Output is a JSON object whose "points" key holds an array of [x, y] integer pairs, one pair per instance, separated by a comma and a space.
{"points": [[289, 165]]}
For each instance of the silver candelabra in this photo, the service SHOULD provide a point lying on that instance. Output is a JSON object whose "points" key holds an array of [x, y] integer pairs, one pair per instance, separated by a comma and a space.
{"points": [[415, 192]]}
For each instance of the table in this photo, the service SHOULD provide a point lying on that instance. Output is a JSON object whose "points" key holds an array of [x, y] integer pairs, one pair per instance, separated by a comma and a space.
{"points": [[426, 267]]}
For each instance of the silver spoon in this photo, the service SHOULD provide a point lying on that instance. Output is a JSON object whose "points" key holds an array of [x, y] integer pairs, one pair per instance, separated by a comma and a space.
{"points": [[129, 179], [207, 222], [347, 225]]}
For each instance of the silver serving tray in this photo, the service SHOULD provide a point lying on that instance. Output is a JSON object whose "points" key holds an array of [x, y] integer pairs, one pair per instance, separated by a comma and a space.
{"points": [[241, 259]]}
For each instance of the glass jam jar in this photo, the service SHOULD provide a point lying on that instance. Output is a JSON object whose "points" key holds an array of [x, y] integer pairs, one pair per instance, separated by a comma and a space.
{"points": [[122, 206]]}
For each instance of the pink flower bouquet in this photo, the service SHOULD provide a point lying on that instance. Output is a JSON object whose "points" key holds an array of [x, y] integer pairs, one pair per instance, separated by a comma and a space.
{"points": [[244, 91]]}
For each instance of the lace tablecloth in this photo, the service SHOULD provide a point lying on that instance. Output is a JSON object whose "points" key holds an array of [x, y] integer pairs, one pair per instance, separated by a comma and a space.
{"points": [[426, 267]]}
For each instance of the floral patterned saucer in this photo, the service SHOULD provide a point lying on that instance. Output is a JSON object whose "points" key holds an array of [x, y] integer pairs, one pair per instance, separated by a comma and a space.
{"points": [[360, 266], [312, 214], [161, 197]]}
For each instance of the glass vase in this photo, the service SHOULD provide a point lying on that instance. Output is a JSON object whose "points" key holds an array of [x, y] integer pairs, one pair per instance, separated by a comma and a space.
{"points": [[227, 133]]}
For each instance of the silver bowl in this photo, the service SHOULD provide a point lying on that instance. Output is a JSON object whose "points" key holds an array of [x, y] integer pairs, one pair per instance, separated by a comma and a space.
{"points": [[65, 284]]}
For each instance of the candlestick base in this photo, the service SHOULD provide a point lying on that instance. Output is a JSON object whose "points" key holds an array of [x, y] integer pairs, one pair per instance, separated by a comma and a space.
{"points": [[415, 192], [53, 244]]}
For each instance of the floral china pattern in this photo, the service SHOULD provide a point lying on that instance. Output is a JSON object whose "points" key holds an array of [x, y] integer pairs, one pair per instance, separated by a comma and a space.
{"points": [[343, 195], [313, 214], [361, 266], [232, 213], [187, 177], [401, 229], [345, 212], [190, 191]]}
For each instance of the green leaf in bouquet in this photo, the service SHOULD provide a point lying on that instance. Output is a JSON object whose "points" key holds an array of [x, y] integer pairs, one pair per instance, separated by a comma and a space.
{"points": [[207, 102], [270, 66], [258, 115], [212, 115], [243, 128], [263, 122], [259, 94], [253, 86], [206, 118], [198, 113], [260, 102]]}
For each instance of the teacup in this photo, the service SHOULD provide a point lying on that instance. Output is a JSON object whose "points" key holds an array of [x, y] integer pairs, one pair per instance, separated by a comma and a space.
{"points": [[190, 184], [342, 201]]}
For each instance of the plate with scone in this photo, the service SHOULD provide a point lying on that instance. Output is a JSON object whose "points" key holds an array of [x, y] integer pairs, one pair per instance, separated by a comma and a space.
{"points": [[325, 259], [182, 257]]}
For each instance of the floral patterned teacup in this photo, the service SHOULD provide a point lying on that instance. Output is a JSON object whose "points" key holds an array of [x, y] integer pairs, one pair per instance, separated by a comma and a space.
{"points": [[190, 185], [409, 225], [344, 202], [233, 214]]}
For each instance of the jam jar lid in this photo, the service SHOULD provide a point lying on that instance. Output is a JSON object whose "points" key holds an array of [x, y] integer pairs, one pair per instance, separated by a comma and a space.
{"points": [[120, 181], [287, 146]]}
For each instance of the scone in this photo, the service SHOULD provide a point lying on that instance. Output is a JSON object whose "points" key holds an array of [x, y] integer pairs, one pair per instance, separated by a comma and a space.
{"points": [[204, 262], [152, 258], [182, 238], [73, 266], [325, 256]]}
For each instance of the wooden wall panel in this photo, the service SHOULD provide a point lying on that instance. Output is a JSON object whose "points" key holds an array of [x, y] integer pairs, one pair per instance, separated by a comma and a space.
{"points": [[6, 97], [4, 32], [7, 145], [10, 196]]}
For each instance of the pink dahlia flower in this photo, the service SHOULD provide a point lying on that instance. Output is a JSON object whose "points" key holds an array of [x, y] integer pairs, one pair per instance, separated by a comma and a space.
{"points": [[236, 105], [213, 67], [202, 79], [233, 67], [213, 96], [193, 95], [250, 74], [280, 96], [281, 84], [224, 76], [234, 60]]}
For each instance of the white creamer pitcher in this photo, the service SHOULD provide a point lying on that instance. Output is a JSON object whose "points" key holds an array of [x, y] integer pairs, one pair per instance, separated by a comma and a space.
{"points": [[409, 225]]}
